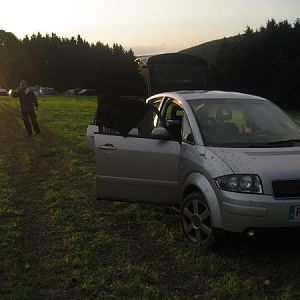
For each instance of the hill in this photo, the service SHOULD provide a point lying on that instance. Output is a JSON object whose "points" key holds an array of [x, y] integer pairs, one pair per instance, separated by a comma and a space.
{"points": [[264, 62], [208, 50]]}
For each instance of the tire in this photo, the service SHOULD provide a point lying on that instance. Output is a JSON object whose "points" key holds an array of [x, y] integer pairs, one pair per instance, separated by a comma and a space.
{"points": [[196, 220]]}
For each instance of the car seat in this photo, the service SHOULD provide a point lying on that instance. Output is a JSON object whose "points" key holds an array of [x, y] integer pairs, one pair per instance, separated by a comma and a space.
{"points": [[225, 127], [175, 123]]}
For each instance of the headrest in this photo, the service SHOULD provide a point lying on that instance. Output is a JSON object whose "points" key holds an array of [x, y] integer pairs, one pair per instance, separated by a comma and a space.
{"points": [[223, 114], [174, 115]]}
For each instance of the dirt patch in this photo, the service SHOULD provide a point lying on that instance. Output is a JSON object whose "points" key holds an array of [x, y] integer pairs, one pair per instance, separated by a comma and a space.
{"points": [[42, 241]]}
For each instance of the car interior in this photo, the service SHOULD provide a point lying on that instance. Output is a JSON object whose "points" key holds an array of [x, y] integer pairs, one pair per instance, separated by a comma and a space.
{"points": [[174, 123]]}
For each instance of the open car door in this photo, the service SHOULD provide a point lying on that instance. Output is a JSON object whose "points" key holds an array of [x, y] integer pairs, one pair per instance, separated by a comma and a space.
{"points": [[131, 163], [175, 72]]}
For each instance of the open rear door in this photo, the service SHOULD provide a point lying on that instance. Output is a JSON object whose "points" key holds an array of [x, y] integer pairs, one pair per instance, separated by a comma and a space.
{"points": [[175, 72]]}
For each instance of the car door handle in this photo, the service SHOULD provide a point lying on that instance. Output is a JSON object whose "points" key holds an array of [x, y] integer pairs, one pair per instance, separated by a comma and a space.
{"points": [[108, 147]]}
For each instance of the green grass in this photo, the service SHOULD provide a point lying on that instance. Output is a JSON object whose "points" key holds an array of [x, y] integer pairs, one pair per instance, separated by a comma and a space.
{"points": [[13, 275], [103, 250]]}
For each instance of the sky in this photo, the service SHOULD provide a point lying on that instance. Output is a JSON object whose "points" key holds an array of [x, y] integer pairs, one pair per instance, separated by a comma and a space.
{"points": [[148, 27]]}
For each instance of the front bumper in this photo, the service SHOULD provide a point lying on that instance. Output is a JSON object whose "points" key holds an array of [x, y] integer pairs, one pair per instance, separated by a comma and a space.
{"points": [[245, 211]]}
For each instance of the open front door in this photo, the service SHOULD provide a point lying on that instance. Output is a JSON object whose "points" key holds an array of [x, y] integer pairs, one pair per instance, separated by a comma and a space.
{"points": [[131, 164], [137, 169]]}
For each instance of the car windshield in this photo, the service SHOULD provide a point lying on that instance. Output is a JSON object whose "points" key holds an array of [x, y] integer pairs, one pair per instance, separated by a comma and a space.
{"points": [[244, 123]]}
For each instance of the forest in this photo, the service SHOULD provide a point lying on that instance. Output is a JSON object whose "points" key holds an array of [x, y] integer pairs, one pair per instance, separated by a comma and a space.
{"points": [[265, 62], [66, 63]]}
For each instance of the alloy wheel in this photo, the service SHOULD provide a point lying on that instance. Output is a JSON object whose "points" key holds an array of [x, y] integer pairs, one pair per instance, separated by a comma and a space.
{"points": [[196, 220]]}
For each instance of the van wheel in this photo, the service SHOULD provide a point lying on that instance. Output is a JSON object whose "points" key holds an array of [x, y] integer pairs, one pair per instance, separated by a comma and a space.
{"points": [[196, 220]]}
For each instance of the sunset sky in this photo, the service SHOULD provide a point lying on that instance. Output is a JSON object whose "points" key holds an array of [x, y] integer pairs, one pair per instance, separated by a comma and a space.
{"points": [[148, 27]]}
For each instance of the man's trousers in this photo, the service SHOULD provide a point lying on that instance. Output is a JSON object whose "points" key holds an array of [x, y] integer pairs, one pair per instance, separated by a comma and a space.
{"points": [[29, 118]]}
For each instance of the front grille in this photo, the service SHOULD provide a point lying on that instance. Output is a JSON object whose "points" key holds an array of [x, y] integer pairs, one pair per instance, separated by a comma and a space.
{"points": [[286, 188]]}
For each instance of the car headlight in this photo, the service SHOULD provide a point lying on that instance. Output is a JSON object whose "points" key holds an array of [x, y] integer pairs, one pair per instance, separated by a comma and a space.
{"points": [[240, 183]]}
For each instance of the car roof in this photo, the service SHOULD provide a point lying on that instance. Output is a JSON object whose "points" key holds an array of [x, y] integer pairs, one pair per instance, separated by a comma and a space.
{"points": [[204, 94]]}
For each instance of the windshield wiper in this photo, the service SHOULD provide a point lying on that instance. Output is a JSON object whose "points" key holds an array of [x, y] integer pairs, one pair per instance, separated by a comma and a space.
{"points": [[260, 145], [283, 143], [290, 142]]}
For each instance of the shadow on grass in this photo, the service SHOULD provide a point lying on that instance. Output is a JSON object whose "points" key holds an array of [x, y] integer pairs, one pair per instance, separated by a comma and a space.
{"points": [[264, 242]]}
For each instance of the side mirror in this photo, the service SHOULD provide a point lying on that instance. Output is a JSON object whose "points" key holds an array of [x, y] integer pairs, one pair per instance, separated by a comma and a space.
{"points": [[160, 133]]}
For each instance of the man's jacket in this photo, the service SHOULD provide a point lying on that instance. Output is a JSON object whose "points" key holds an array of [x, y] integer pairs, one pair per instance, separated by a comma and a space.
{"points": [[27, 99]]}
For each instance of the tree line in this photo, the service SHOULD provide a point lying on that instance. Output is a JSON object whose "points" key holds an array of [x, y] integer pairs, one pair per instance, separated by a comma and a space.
{"points": [[265, 62], [65, 63]]}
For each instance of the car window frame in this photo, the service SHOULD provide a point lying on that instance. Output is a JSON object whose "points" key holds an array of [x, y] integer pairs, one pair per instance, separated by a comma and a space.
{"points": [[185, 120], [167, 101], [152, 101], [162, 100]]}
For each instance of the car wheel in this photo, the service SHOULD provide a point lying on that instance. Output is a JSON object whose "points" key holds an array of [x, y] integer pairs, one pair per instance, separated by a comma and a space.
{"points": [[196, 220]]}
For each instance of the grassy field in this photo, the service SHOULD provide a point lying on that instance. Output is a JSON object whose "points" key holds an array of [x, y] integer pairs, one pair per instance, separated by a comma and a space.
{"points": [[58, 242]]}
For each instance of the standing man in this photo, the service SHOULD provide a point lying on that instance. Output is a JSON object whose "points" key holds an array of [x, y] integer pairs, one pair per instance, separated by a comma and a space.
{"points": [[28, 103]]}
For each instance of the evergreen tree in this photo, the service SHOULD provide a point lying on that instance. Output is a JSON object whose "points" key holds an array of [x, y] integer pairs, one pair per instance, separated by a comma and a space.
{"points": [[265, 62], [68, 63]]}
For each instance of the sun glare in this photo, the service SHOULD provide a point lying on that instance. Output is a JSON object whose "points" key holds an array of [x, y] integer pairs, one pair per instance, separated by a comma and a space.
{"points": [[60, 17], [168, 24]]}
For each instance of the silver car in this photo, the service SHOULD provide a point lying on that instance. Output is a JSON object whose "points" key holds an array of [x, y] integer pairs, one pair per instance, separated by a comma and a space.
{"points": [[230, 160]]}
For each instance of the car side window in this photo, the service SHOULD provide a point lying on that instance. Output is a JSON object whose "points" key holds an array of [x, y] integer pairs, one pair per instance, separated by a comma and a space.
{"points": [[187, 134], [126, 116], [144, 128], [173, 119], [173, 111]]}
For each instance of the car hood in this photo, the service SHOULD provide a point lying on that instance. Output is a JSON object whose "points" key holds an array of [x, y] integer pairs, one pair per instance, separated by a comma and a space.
{"points": [[269, 163]]}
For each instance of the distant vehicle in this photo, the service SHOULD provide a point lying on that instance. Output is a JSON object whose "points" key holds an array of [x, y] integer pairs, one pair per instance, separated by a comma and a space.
{"points": [[10, 91], [3, 92], [47, 91], [35, 89], [87, 92], [73, 91]]}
